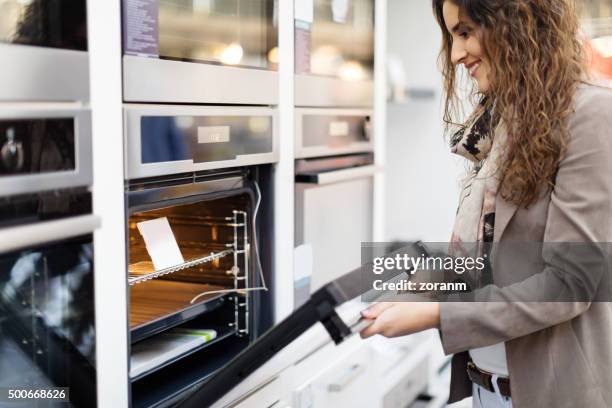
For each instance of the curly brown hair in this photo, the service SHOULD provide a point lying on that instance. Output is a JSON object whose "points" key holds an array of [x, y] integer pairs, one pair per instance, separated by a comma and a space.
{"points": [[537, 63]]}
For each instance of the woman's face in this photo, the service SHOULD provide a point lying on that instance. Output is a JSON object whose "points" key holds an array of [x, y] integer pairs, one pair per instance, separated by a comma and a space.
{"points": [[467, 49]]}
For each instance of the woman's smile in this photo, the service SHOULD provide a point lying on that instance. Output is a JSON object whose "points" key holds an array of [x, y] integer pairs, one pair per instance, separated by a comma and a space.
{"points": [[472, 68]]}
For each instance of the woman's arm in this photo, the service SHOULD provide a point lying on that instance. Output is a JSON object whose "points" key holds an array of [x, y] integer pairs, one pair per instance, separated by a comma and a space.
{"points": [[580, 210]]}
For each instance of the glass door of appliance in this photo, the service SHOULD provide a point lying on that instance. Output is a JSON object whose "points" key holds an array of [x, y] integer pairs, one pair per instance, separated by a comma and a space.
{"points": [[334, 53], [44, 23], [200, 51], [47, 331], [228, 32], [335, 38], [43, 49]]}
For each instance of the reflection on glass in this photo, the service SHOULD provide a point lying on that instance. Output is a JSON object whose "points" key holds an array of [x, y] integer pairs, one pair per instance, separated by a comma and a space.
{"points": [[162, 139], [203, 138], [597, 27], [230, 32], [46, 23], [33, 146], [47, 335], [339, 42]]}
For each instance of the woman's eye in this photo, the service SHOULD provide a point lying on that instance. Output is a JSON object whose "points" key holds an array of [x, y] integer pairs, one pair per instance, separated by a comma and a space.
{"points": [[464, 34]]}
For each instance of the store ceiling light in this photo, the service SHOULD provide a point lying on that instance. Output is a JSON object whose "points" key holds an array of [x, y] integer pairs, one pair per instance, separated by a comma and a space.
{"points": [[232, 54], [603, 45]]}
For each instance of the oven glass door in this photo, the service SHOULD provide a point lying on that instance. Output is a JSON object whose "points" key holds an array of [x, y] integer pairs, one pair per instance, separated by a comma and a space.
{"points": [[227, 32], [45, 23], [42, 150], [37, 146], [335, 38], [47, 332]]}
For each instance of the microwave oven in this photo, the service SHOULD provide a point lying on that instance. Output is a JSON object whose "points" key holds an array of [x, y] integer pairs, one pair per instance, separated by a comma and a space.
{"points": [[334, 53], [43, 47], [200, 51]]}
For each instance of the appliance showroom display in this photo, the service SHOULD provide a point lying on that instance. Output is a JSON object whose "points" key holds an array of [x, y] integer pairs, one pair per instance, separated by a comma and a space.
{"points": [[218, 52], [198, 181], [47, 329], [43, 46], [334, 176], [334, 53]]}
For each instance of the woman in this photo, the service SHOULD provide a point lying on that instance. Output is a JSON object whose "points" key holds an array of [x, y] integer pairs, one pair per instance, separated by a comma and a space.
{"points": [[541, 143]]}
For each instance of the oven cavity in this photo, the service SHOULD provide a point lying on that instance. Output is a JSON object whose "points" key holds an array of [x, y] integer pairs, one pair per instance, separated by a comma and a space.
{"points": [[178, 312]]}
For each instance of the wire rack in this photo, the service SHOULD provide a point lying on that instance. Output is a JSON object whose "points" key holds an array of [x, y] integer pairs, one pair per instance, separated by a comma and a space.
{"points": [[133, 279]]}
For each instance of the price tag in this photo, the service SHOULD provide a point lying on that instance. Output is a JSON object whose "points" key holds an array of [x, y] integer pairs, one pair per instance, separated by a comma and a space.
{"points": [[338, 128], [304, 10]]}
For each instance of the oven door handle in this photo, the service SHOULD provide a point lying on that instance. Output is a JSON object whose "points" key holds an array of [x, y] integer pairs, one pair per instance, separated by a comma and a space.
{"points": [[30, 235], [337, 176]]}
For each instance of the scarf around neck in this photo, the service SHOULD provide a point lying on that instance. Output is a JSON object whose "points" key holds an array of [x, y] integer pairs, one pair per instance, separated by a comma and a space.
{"points": [[481, 142]]}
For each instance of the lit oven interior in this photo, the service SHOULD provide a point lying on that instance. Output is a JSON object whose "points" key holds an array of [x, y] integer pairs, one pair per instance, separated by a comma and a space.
{"points": [[206, 292]]}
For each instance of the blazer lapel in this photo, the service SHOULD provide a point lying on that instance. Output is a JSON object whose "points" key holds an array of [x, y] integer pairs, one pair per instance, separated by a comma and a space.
{"points": [[504, 211]]}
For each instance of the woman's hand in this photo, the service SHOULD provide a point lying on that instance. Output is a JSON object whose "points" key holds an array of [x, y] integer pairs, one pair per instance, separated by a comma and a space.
{"points": [[393, 319]]}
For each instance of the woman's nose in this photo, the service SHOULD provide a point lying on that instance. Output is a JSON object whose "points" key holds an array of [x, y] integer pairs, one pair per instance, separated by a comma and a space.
{"points": [[458, 53]]}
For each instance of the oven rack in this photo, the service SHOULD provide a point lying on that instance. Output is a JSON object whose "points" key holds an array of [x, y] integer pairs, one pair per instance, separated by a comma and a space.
{"points": [[134, 279], [239, 249], [202, 220]]}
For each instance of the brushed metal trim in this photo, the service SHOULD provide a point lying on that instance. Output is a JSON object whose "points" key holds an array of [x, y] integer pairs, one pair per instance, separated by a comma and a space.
{"points": [[165, 81], [160, 194], [319, 91], [302, 152], [82, 175], [31, 73], [135, 169], [338, 176], [26, 236]]}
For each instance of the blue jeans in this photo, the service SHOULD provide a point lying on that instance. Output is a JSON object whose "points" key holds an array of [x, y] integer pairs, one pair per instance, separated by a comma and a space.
{"points": [[487, 399]]}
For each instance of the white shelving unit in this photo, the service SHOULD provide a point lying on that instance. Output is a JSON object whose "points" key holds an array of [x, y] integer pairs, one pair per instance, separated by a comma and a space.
{"points": [[111, 287], [104, 31]]}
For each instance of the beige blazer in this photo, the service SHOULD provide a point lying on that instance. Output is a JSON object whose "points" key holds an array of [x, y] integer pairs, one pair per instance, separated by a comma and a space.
{"points": [[559, 354]]}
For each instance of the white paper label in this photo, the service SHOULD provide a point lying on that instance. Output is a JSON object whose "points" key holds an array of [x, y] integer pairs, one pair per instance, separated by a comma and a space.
{"points": [[161, 244], [338, 128], [340, 10], [213, 134], [304, 10]]}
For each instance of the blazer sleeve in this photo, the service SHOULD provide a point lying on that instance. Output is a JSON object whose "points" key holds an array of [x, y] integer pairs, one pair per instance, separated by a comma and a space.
{"points": [[580, 211]]}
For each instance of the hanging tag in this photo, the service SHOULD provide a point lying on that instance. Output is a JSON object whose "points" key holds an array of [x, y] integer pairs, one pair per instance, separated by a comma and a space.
{"points": [[304, 10], [161, 244], [340, 10]]}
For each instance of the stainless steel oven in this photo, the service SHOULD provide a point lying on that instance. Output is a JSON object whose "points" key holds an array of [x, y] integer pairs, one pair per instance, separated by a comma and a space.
{"points": [[43, 46], [334, 182], [166, 139], [200, 51], [47, 328], [334, 53], [44, 147], [189, 318]]}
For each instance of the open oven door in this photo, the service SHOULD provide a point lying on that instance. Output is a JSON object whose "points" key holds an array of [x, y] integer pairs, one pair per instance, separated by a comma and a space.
{"points": [[264, 355]]}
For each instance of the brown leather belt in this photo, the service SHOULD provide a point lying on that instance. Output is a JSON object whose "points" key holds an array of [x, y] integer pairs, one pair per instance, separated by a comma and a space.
{"points": [[484, 379]]}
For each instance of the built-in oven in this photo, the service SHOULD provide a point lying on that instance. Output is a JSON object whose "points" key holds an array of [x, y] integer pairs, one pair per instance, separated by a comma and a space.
{"points": [[334, 53], [208, 200], [44, 147], [47, 328], [200, 51], [43, 46], [334, 183]]}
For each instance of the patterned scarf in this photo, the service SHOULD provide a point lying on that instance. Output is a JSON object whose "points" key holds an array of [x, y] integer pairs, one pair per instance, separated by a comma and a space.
{"points": [[480, 142]]}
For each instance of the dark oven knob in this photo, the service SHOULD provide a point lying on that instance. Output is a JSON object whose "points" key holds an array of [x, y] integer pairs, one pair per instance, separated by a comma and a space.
{"points": [[12, 152], [367, 128]]}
